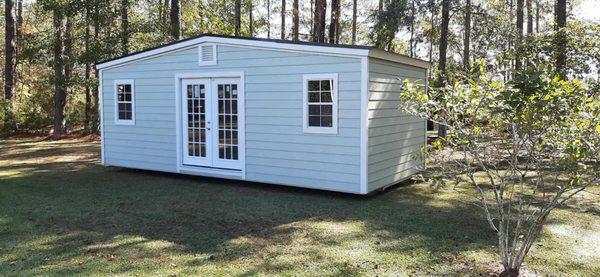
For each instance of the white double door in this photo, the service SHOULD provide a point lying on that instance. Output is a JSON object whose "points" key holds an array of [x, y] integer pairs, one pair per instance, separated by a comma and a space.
{"points": [[210, 118]]}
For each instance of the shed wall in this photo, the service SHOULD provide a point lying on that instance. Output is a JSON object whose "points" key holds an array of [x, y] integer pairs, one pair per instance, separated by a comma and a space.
{"points": [[277, 150], [394, 137]]}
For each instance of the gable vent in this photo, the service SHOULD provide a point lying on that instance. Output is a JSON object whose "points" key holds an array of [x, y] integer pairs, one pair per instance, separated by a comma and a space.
{"points": [[207, 54]]}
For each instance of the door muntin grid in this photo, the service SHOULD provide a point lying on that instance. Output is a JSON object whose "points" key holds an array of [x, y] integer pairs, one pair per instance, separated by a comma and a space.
{"points": [[196, 120], [227, 102]]}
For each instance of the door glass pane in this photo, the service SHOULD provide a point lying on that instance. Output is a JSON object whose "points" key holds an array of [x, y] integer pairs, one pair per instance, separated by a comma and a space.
{"points": [[196, 115], [228, 111]]}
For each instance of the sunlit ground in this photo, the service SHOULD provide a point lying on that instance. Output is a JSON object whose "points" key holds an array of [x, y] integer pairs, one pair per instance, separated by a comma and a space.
{"points": [[62, 213]]}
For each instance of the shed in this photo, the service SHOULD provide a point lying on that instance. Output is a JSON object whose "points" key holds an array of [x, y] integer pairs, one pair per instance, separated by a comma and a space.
{"points": [[272, 111]]}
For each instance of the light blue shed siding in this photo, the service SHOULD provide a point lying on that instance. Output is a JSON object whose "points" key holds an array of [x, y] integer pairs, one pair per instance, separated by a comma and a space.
{"points": [[394, 137], [277, 150]]}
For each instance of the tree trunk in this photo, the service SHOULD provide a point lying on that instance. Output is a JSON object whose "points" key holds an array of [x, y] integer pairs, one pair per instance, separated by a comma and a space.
{"points": [[238, 15], [354, 12], [251, 19], [380, 6], [96, 97], [166, 14], [529, 17], [124, 27], [537, 16], [334, 26], [268, 18], [467, 38], [432, 23], [59, 91], [295, 21], [18, 42], [9, 50], [175, 24], [444, 38], [319, 21], [519, 34], [561, 37], [509, 273], [69, 57], [312, 17], [88, 68], [443, 48], [412, 28], [282, 19], [19, 26]]}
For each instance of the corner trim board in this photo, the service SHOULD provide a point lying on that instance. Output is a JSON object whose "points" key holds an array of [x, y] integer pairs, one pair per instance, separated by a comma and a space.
{"points": [[364, 125], [101, 115]]}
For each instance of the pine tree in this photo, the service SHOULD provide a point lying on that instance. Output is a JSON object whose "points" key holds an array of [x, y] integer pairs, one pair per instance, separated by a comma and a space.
{"points": [[319, 21]]}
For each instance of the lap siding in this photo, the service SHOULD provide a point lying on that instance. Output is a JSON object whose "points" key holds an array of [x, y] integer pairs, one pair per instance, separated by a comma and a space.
{"points": [[394, 137], [277, 151]]}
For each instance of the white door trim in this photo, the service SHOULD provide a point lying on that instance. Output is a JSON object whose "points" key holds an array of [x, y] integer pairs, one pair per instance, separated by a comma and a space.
{"points": [[241, 122], [186, 158]]}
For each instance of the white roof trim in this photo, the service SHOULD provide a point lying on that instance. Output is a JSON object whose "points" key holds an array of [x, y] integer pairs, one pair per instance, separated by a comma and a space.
{"points": [[343, 51], [388, 56]]}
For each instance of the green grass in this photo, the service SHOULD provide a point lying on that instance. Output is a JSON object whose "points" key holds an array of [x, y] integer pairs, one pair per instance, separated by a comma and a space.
{"points": [[61, 213]]}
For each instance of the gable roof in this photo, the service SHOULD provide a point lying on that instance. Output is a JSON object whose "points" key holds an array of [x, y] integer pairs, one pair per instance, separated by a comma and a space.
{"points": [[276, 44]]}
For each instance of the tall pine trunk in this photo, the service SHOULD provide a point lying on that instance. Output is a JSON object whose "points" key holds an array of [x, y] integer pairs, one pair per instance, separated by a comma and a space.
{"points": [[519, 42], [529, 17], [467, 38], [18, 41], [268, 18], [282, 19], [354, 13], [443, 49], [175, 24], [295, 21], [560, 12], [251, 19], [88, 69], [319, 21], [59, 83], [238, 17], [124, 27], [9, 50], [334, 26], [96, 96], [312, 18], [537, 16], [69, 58], [166, 14], [412, 28]]}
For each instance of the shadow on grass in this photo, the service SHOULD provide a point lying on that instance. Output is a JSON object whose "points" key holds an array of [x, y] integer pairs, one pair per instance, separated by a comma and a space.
{"points": [[89, 213]]}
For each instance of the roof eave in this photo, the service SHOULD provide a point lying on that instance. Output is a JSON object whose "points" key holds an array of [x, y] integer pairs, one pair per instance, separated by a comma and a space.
{"points": [[399, 58], [343, 51]]}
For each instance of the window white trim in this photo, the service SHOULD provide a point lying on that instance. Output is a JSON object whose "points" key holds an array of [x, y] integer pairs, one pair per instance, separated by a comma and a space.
{"points": [[116, 102], [214, 54], [334, 97]]}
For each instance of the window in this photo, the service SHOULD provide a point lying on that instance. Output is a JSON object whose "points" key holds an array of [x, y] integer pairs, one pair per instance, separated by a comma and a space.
{"points": [[207, 54], [320, 103], [124, 102]]}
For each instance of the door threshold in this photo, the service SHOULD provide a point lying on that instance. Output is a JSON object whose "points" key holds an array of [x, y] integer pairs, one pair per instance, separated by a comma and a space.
{"points": [[211, 171]]}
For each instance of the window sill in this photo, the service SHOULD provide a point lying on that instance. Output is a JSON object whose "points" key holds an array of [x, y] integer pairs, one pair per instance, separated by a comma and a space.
{"points": [[125, 122], [321, 130]]}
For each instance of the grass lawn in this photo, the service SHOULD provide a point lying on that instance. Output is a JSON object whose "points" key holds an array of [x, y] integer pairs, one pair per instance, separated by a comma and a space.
{"points": [[62, 213]]}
